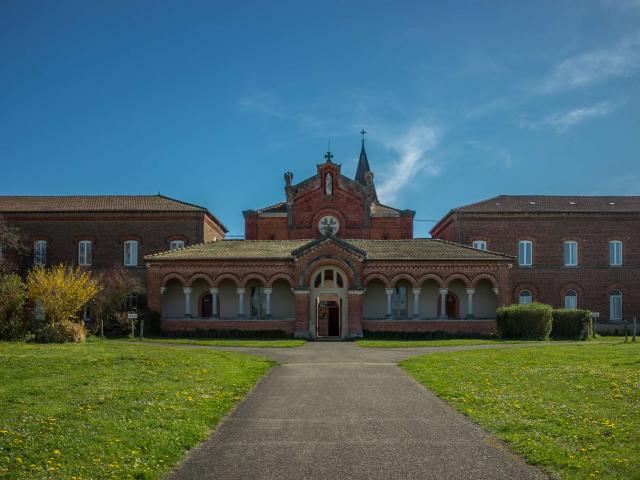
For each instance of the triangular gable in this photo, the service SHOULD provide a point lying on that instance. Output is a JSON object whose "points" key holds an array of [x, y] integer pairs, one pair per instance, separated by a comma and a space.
{"points": [[328, 239]]}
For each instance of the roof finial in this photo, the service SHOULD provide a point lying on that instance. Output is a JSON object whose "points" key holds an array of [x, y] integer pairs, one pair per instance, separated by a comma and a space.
{"points": [[363, 132], [328, 156]]}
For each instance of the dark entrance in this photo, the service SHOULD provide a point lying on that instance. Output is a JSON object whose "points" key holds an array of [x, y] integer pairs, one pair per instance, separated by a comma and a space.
{"points": [[451, 306], [206, 307], [328, 319]]}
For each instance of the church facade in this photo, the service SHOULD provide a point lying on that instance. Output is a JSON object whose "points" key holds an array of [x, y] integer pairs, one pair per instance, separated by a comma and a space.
{"points": [[329, 261]]}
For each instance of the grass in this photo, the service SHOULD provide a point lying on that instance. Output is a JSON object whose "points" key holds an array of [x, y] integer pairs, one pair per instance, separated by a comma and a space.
{"points": [[112, 409], [229, 342], [572, 409], [381, 343]]}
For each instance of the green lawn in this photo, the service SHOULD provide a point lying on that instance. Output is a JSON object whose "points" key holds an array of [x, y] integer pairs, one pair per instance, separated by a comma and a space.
{"points": [[459, 342], [572, 409], [229, 342], [112, 409]]}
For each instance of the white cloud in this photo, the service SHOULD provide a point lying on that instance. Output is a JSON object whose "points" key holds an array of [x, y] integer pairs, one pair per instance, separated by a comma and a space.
{"points": [[412, 148], [561, 122], [595, 66]]}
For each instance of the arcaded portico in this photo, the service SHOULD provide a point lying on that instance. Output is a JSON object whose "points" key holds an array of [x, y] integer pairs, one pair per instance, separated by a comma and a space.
{"points": [[328, 287]]}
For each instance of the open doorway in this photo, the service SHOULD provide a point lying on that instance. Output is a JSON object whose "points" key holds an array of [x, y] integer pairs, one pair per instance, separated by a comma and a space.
{"points": [[328, 317]]}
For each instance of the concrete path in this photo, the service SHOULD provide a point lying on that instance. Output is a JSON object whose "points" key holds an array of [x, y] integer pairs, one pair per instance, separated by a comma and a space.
{"points": [[339, 411]]}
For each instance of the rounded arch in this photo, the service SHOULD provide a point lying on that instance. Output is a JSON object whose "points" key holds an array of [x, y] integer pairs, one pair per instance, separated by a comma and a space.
{"points": [[484, 276], [174, 276], [617, 286], [522, 287], [572, 286], [404, 276], [353, 279], [339, 272], [458, 276], [376, 276], [280, 276], [253, 276], [227, 276], [431, 276], [202, 276]]}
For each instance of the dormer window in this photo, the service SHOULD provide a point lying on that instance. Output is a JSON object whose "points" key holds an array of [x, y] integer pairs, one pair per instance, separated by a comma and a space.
{"points": [[479, 244]]}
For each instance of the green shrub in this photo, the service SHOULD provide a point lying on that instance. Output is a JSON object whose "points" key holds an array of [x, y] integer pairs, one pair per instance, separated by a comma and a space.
{"points": [[571, 323], [429, 335], [14, 324], [62, 332], [531, 321]]}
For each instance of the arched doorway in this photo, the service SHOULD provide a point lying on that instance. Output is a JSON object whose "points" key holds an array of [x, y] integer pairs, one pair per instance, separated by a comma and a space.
{"points": [[329, 303]]}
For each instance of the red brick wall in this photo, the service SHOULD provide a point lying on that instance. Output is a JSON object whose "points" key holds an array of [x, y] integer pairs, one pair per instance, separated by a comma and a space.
{"points": [[548, 278], [451, 326], [286, 326]]}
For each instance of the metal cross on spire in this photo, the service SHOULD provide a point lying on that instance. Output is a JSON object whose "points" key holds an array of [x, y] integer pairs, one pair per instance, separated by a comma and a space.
{"points": [[363, 132]]}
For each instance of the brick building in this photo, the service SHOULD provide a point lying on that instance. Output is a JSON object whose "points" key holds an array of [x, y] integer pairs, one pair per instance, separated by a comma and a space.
{"points": [[330, 261], [572, 251], [100, 232]]}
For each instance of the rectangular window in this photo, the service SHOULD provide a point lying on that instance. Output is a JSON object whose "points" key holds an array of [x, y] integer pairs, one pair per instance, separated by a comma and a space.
{"points": [[399, 302], [615, 253], [40, 252], [130, 253], [84, 252], [176, 244], [570, 254], [525, 253], [479, 244], [131, 302], [615, 306]]}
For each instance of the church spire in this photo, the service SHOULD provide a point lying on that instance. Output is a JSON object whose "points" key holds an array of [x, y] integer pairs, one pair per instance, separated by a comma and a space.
{"points": [[364, 171]]}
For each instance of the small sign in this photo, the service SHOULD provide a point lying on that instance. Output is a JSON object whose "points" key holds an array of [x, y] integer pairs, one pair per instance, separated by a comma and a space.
{"points": [[132, 316], [595, 314]]}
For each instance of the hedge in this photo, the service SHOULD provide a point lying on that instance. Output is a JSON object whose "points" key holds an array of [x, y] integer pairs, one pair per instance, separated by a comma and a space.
{"points": [[571, 323], [531, 321]]}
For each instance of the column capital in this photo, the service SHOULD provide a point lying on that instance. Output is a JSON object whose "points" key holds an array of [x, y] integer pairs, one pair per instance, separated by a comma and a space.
{"points": [[444, 291], [240, 290], [416, 291], [471, 291], [186, 290], [495, 290], [301, 291], [389, 291], [267, 291], [213, 290], [162, 290]]}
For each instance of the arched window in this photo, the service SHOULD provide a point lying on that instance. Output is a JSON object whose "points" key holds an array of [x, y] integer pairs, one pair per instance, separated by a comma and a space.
{"points": [[615, 305], [571, 300], [176, 245], [329, 278], [525, 297]]}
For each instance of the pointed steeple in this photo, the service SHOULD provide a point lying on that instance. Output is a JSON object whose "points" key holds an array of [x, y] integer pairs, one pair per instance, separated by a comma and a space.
{"points": [[364, 170]]}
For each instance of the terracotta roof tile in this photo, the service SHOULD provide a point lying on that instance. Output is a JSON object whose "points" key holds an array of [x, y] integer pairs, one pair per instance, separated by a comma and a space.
{"points": [[554, 203], [413, 249]]}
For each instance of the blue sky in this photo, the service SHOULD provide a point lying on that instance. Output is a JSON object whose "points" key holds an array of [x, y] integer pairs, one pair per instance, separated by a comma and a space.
{"points": [[211, 102]]}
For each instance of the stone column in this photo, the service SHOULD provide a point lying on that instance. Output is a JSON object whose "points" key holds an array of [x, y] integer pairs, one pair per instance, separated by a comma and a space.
{"points": [[187, 301], [389, 292], [240, 302], [267, 292], [470, 293], [214, 302], [416, 303], [443, 303], [303, 327]]}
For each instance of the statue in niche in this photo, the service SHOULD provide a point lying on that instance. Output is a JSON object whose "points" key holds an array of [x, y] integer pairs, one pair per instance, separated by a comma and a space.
{"points": [[328, 184]]}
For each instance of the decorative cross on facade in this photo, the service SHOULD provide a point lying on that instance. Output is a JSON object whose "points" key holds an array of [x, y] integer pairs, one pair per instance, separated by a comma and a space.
{"points": [[328, 225], [328, 156]]}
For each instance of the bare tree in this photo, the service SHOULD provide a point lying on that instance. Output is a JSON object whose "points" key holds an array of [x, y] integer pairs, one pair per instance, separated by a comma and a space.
{"points": [[13, 247], [117, 284]]}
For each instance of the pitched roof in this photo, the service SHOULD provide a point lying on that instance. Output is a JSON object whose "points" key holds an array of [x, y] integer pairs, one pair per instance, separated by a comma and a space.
{"points": [[411, 249], [280, 207], [554, 203], [363, 168], [98, 203]]}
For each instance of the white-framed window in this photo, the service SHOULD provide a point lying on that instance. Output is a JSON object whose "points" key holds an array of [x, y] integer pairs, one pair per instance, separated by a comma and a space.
{"points": [[615, 253], [40, 252], [84, 252], [400, 302], [131, 253], [525, 297], [176, 244], [525, 253], [328, 278], [570, 253], [479, 244], [571, 300], [615, 305]]}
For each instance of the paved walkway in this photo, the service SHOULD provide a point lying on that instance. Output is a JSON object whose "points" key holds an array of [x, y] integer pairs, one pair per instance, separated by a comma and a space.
{"points": [[339, 411]]}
